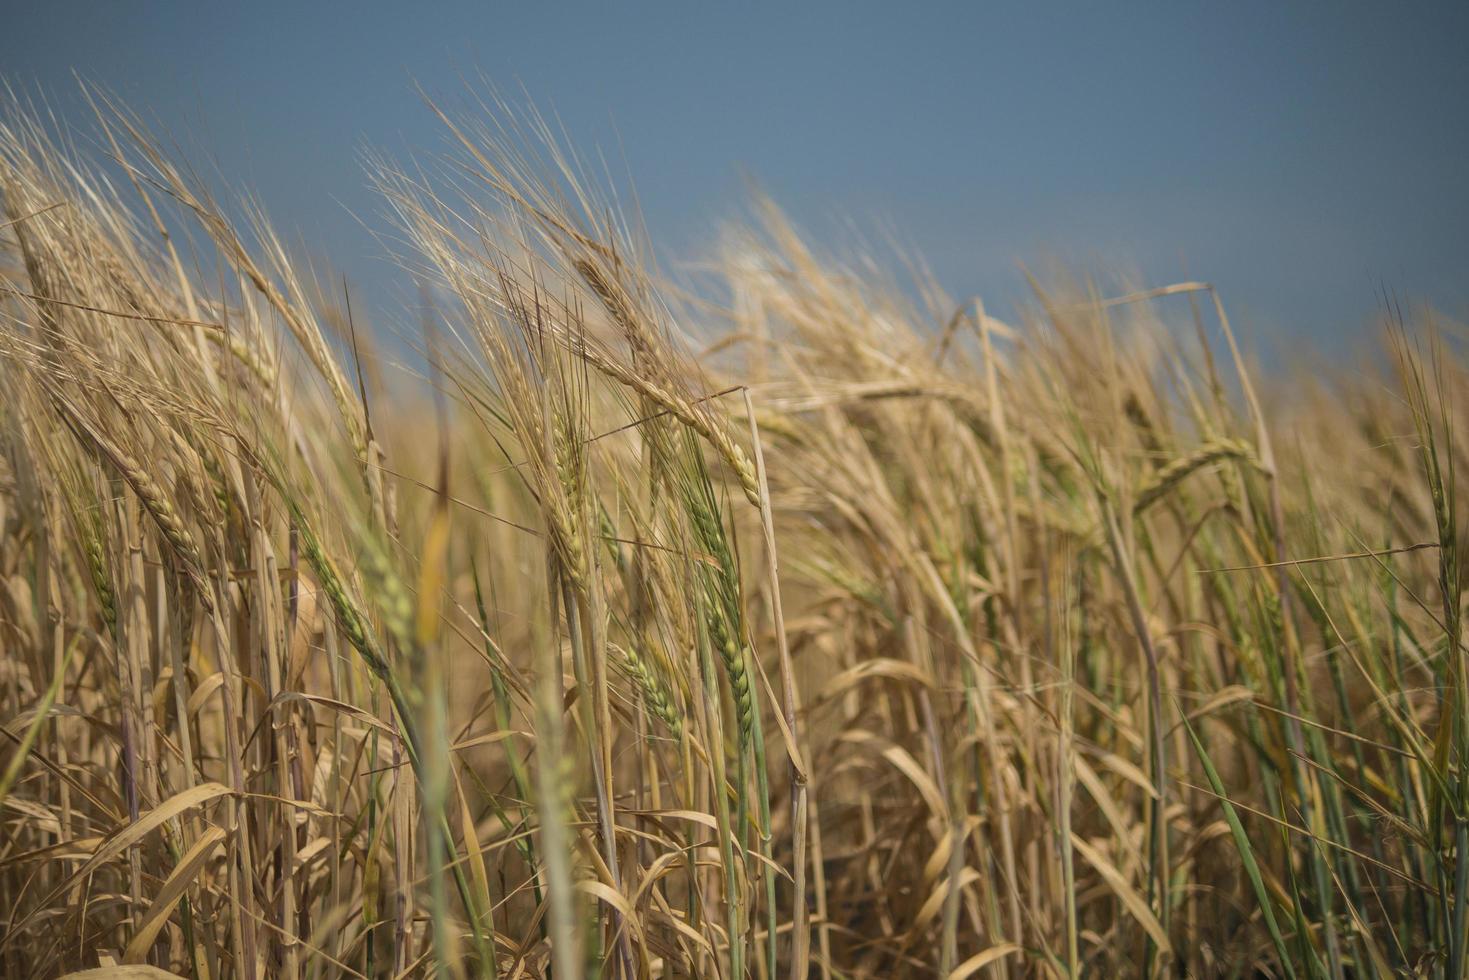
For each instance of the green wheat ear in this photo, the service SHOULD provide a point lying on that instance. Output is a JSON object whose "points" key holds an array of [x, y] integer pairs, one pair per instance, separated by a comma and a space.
{"points": [[656, 696], [1164, 479]]}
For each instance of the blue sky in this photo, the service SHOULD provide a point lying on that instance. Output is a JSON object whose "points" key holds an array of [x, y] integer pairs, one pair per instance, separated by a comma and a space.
{"points": [[1299, 156]]}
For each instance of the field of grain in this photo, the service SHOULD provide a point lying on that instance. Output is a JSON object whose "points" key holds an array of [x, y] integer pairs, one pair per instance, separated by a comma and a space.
{"points": [[811, 624]]}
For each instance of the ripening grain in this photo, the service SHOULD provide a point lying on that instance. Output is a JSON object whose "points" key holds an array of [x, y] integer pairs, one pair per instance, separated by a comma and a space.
{"points": [[820, 631]]}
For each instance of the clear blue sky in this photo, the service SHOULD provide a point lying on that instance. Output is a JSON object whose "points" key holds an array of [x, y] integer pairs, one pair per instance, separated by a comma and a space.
{"points": [[1298, 156]]}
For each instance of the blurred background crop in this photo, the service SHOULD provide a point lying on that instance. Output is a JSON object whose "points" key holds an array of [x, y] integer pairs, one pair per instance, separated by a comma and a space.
{"points": [[1304, 157]]}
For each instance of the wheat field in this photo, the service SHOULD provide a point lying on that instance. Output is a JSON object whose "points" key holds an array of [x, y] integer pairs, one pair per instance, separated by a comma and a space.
{"points": [[808, 624]]}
